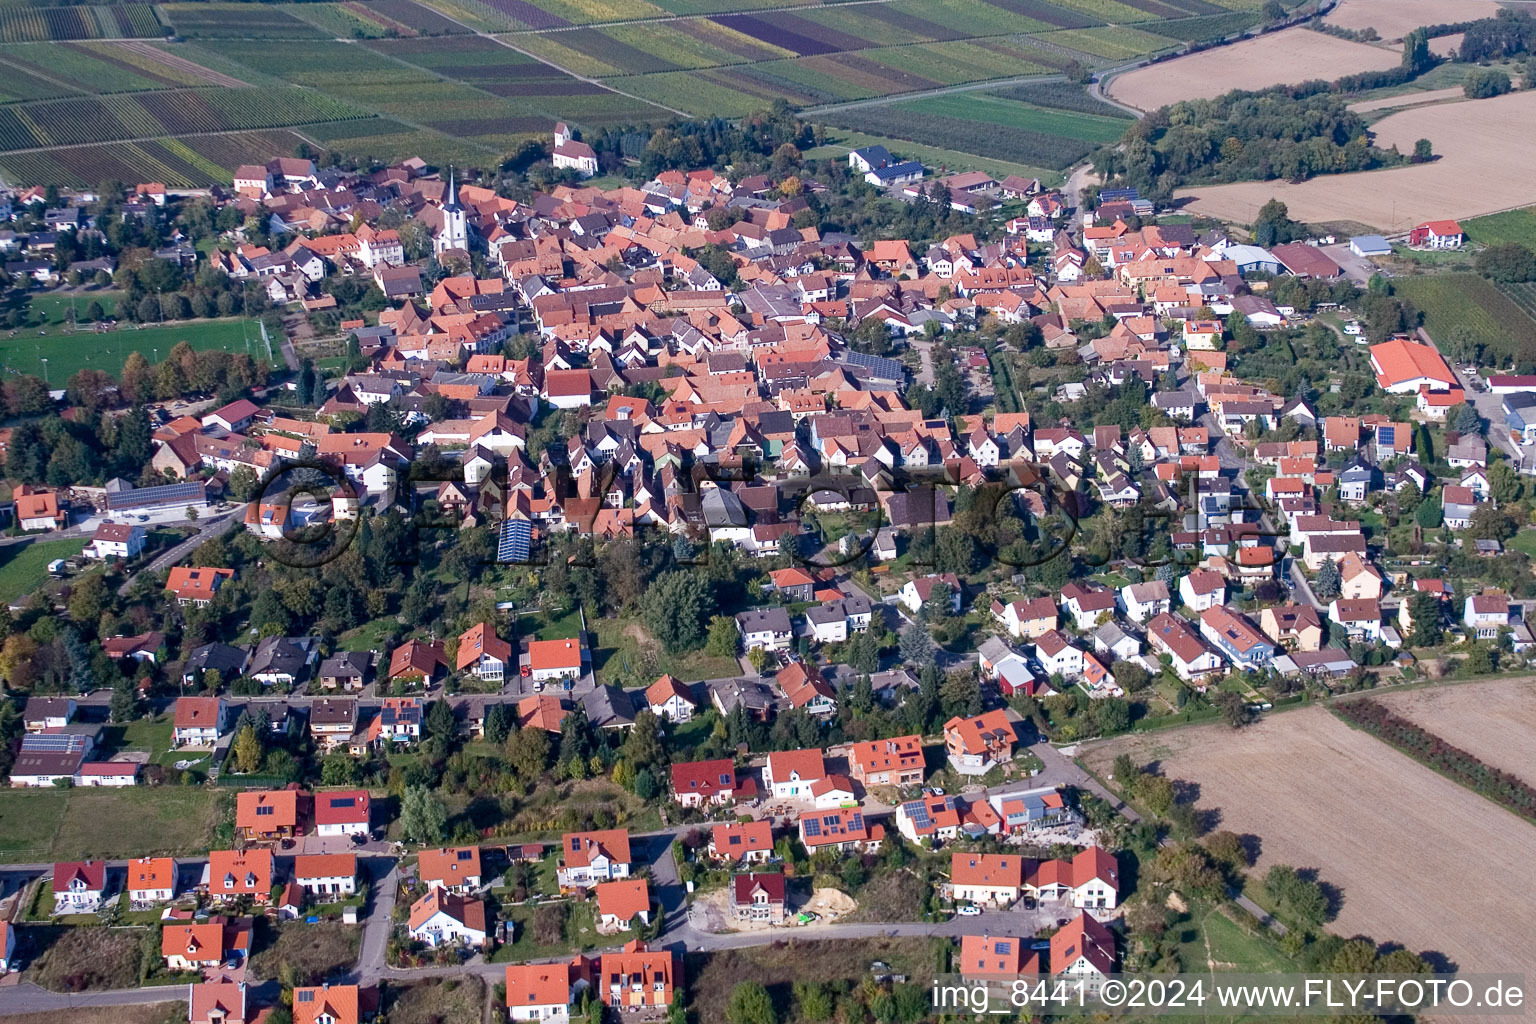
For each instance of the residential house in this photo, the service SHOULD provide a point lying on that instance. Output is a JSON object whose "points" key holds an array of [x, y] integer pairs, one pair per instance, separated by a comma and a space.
{"points": [[206, 945], [417, 661], [639, 979], [456, 868], [1295, 627], [1202, 589], [540, 992], [266, 815], [332, 721], [79, 886], [326, 876], [977, 745], [702, 783], [1086, 604], [196, 585], [283, 661], [997, 957], [1485, 614], [749, 842], [843, 830], [891, 762], [790, 773], [346, 671], [1236, 638], [1026, 620], [670, 700], [443, 918], [1361, 620], [1083, 949], [806, 688], [236, 873], [760, 897], [115, 540], [217, 1002], [151, 880], [766, 628], [1141, 601], [917, 592], [591, 857], [334, 1004], [556, 660], [620, 904], [343, 812], [1193, 661], [1058, 656], [199, 721], [483, 654]]}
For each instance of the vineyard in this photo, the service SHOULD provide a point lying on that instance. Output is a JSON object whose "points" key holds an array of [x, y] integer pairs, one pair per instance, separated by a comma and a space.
{"points": [[146, 115], [1522, 295], [1453, 762], [40, 24], [1465, 309]]}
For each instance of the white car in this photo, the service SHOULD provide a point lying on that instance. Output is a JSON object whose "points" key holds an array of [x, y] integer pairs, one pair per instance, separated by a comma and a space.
{"points": [[968, 911]]}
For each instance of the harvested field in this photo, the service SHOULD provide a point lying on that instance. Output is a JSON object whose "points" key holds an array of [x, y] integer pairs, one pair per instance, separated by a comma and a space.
{"points": [[434, 1002], [1482, 168], [1408, 99], [65, 959], [1293, 55], [317, 952], [1394, 19], [1321, 795], [1494, 720]]}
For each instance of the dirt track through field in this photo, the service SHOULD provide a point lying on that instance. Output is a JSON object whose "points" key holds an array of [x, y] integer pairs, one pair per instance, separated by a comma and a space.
{"points": [[1280, 58], [1419, 859], [1483, 167], [1408, 99], [1494, 720]]}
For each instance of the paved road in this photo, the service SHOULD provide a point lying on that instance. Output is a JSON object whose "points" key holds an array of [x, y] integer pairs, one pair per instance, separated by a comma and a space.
{"points": [[205, 529], [26, 997]]}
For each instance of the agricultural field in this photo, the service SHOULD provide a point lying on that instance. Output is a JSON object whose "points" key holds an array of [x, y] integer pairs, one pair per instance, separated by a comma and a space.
{"points": [[1393, 19], [469, 81], [1510, 226], [1481, 168], [39, 24], [1321, 795], [1468, 305], [1029, 134], [1294, 55], [1496, 720]]}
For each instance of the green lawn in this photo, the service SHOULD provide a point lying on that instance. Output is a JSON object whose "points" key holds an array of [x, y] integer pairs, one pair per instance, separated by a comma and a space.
{"points": [[141, 822], [367, 637], [23, 567], [616, 657], [67, 353], [148, 734], [28, 820], [580, 933], [49, 308], [1214, 942], [1510, 226]]}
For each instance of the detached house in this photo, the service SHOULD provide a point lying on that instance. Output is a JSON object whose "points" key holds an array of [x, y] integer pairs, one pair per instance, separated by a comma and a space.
{"points": [[670, 700], [1193, 661], [151, 880], [639, 979], [767, 628], [456, 869], [1202, 589], [805, 687], [199, 721], [1141, 601], [700, 783], [343, 813], [789, 774], [1026, 620], [1236, 637], [541, 992], [748, 842], [441, 918], [1486, 614], [977, 745], [267, 814], [79, 886], [892, 762], [918, 592], [483, 654], [760, 897], [236, 873], [591, 857], [844, 830]]}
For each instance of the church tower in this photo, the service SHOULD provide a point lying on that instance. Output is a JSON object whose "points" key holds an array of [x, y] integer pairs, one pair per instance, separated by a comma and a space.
{"points": [[455, 230]]}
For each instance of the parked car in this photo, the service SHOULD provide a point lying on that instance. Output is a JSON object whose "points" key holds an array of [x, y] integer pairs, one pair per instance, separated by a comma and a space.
{"points": [[970, 910]]}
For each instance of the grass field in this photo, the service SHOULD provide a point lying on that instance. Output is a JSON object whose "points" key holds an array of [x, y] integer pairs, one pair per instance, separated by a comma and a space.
{"points": [[24, 566], [81, 959], [67, 353], [1511, 226], [1323, 796], [1469, 304], [174, 1012], [28, 820], [140, 822]]}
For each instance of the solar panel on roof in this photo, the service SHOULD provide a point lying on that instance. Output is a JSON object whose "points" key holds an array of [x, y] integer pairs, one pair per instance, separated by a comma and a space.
{"points": [[465, 855], [164, 494], [856, 822], [812, 827], [1000, 946], [513, 545]]}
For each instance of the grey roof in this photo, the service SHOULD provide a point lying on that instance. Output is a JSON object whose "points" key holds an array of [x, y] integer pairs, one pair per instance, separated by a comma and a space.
{"points": [[994, 649], [221, 657], [764, 620], [609, 707], [722, 508], [281, 655]]}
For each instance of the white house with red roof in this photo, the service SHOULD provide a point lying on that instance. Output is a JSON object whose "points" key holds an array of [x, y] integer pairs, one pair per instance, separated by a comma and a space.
{"points": [[79, 886], [790, 773], [670, 699], [342, 813], [591, 857], [1437, 234], [556, 659], [697, 783], [115, 540], [917, 592], [541, 992]]}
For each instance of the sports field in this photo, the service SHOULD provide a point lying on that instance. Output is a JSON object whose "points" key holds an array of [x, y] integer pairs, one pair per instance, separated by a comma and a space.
{"points": [[66, 353]]}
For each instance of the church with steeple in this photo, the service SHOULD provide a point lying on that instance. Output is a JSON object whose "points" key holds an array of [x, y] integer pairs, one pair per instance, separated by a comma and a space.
{"points": [[454, 234]]}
